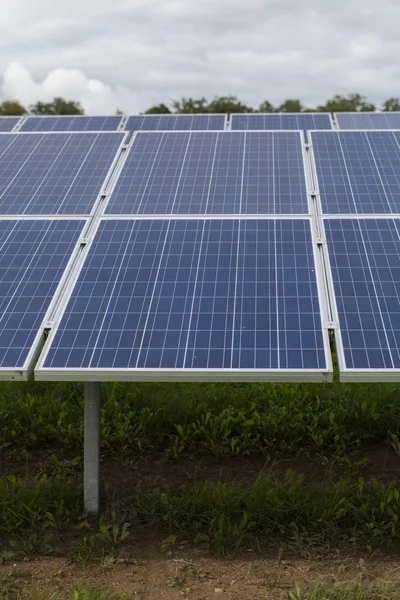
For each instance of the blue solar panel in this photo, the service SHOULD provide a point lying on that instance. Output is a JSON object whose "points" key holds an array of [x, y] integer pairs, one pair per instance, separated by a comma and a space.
{"points": [[71, 123], [389, 120], [33, 256], [8, 123], [358, 172], [54, 174], [194, 294], [278, 121], [365, 262], [212, 173], [175, 122]]}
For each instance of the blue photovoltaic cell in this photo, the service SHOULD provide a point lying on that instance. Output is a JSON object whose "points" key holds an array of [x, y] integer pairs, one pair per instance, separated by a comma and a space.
{"points": [[389, 120], [54, 174], [8, 123], [194, 294], [365, 262], [358, 172], [301, 121], [212, 173], [33, 256], [175, 122], [71, 123]]}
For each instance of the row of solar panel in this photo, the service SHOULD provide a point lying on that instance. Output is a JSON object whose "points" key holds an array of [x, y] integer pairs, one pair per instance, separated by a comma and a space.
{"points": [[199, 173], [217, 298], [201, 299], [284, 121]]}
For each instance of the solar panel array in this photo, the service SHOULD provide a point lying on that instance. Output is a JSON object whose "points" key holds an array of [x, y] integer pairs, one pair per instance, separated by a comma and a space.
{"points": [[71, 123], [204, 260], [175, 122], [281, 121], [232, 296], [359, 184], [365, 120], [212, 173], [8, 123], [54, 174], [199, 294]]}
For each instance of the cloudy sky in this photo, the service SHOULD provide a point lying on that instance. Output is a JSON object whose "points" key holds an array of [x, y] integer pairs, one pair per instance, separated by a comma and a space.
{"points": [[131, 54]]}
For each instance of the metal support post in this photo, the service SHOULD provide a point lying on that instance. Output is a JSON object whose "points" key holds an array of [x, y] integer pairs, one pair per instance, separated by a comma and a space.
{"points": [[91, 454]]}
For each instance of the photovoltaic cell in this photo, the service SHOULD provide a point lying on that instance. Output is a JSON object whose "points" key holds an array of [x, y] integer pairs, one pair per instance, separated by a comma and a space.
{"points": [[8, 123], [361, 120], [54, 174], [71, 123], [277, 121], [212, 173], [365, 262], [194, 294], [33, 256], [175, 122], [358, 171]]}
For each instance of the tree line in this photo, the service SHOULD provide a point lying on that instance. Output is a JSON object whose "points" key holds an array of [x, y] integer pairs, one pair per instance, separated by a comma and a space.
{"points": [[221, 104]]}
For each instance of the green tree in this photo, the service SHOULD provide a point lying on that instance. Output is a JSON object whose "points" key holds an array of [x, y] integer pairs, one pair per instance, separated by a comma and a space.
{"points": [[59, 106], [391, 104], [160, 109], [190, 105], [289, 106], [266, 107], [12, 108], [227, 104], [353, 103]]}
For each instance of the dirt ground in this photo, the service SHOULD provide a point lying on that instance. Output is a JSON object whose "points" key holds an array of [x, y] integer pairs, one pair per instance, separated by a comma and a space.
{"points": [[151, 575]]}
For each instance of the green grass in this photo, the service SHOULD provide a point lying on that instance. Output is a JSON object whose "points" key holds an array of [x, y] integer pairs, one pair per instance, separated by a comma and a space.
{"points": [[208, 419], [347, 592], [10, 592], [300, 517]]}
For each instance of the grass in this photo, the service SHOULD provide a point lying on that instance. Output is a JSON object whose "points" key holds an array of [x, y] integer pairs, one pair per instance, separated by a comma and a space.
{"points": [[347, 592], [11, 592], [208, 419]]}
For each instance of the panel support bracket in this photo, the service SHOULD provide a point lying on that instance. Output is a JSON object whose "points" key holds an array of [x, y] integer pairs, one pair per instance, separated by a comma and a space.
{"points": [[91, 460]]}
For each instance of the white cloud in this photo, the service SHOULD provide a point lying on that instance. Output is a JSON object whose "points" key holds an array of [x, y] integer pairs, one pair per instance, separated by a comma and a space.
{"points": [[135, 53]]}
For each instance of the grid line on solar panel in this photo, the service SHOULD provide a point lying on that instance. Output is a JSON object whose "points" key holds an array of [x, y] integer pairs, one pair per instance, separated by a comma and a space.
{"points": [[365, 120], [364, 256], [283, 121], [212, 173], [7, 124], [33, 257], [358, 171], [71, 123], [54, 173], [175, 122], [204, 294]]}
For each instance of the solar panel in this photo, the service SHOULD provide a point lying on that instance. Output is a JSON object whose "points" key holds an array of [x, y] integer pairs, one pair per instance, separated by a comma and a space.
{"points": [[8, 123], [175, 122], [56, 173], [71, 123], [358, 171], [212, 173], [174, 298], [365, 120], [278, 121], [33, 256], [365, 262]]}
